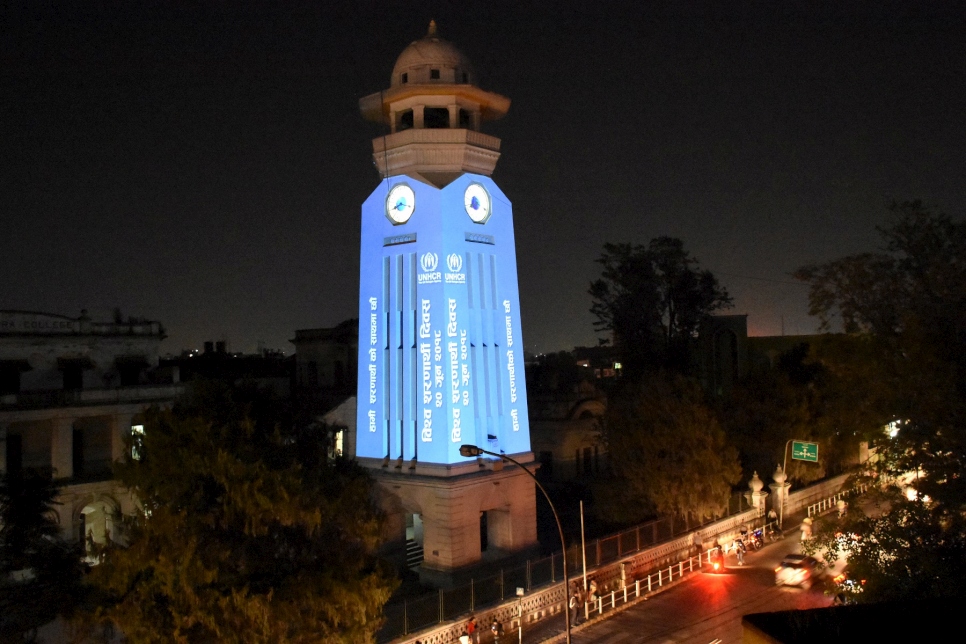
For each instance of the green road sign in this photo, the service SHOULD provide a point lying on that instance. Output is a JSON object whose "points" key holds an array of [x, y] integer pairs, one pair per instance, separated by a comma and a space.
{"points": [[803, 451]]}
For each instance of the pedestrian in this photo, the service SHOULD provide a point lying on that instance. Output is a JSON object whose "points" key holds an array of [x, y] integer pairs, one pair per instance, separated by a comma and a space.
{"points": [[472, 630], [464, 637], [740, 552], [497, 629], [574, 606]]}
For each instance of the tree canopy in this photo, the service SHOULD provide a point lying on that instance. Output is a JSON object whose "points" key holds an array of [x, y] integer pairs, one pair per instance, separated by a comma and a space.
{"points": [[906, 308], [652, 300], [803, 397], [667, 451], [244, 533]]}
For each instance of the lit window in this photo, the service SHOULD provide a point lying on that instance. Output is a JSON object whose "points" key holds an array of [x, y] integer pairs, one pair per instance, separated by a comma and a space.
{"points": [[137, 435]]}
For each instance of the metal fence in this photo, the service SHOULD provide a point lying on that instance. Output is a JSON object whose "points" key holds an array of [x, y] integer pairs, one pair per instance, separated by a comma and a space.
{"points": [[417, 613], [824, 505]]}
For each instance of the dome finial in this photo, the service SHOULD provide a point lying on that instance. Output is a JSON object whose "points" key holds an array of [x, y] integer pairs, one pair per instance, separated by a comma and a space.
{"points": [[432, 28]]}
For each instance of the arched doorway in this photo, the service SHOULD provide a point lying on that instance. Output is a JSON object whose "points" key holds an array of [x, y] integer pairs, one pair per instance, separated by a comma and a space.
{"points": [[97, 524]]}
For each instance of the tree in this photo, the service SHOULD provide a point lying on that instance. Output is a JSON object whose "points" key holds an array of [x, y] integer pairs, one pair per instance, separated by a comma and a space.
{"points": [[652, 300], [39, 572], [908, 306], [905, 306], [244, 533], [801, 397], [667, 452]]}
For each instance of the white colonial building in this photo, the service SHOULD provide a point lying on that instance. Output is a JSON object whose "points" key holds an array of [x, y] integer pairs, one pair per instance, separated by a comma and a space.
{"points": [[70, 391]]}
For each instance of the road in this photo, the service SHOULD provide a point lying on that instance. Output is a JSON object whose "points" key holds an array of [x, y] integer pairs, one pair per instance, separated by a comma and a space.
{"points": [[708, 607]]}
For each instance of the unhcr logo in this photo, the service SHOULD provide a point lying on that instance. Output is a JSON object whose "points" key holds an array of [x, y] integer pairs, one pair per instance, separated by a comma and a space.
{"points": [[429, 262], [454, 262]]}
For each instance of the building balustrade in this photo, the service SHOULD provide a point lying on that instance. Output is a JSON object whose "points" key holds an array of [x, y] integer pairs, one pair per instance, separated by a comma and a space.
{"points": [[99, 396]]}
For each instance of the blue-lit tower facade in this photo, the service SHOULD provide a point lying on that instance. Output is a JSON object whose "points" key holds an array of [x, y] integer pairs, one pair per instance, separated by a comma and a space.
{"points": [[441, 359]]}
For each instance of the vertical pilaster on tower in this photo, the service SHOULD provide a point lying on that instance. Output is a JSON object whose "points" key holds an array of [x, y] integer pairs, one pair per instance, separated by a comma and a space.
{"points": [[441, 359]]}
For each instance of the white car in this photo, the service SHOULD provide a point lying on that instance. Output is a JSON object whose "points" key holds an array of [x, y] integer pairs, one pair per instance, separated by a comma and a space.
{"points": [[796, 570]]}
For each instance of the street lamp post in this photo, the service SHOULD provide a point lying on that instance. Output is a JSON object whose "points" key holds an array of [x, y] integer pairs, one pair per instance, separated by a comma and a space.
{"points": [[473, 450]]}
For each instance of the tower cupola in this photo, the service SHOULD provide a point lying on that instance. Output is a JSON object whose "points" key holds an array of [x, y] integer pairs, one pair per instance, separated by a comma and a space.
{"points": [[434, 113]]}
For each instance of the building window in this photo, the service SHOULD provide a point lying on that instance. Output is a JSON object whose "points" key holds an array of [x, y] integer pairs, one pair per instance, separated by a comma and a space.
{"points": [[129, 369], [464, 119], [312, 375], [484, 533], [434, 74], [73, 377], [405, 120], [436, 117], [10, 376], [587, 461], [405, 77], [466, 77]]}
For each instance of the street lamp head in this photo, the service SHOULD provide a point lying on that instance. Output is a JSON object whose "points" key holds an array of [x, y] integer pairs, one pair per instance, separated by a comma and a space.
{"points": [[470, 450]]}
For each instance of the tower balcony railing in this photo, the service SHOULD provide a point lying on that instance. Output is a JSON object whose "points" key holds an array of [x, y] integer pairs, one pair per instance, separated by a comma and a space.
{"points": [[436, 136], [87, 397]]}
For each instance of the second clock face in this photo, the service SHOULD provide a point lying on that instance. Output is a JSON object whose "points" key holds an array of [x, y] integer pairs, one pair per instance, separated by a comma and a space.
{"points": [[400, 203], [477, 202]]}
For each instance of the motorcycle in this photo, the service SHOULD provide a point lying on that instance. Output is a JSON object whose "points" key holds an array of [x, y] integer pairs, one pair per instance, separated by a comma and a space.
{"points": [[757, 539], [717, 561]]}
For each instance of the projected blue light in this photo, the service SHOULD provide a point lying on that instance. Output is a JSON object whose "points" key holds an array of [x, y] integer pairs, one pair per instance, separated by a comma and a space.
{"points": [[440, 349]]}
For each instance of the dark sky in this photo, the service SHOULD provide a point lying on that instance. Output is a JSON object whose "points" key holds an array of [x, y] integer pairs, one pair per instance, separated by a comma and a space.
{"points": [[203, 164]]}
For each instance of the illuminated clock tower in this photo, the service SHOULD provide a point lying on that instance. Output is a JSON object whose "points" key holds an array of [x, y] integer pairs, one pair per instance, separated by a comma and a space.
{"points": [[440, 348]]}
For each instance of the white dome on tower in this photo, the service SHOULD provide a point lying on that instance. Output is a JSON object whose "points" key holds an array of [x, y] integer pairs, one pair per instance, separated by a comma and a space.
{"points": [[434, 112], [431, 60]]}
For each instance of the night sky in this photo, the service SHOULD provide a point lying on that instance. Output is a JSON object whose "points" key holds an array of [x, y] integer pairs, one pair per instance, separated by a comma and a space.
{"points": [[203, 164]]}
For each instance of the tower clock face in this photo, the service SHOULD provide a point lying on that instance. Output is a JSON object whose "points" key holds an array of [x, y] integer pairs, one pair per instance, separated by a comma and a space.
{"points": [[400, 204], [477, 202]]}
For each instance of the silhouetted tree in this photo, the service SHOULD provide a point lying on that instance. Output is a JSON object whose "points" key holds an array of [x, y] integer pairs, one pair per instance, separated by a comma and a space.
{"points": [[39, 572], [667, 451], [652, 300]]}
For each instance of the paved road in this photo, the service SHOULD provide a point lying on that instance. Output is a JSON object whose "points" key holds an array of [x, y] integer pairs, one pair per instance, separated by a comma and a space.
{"points": [[707, 607]]}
